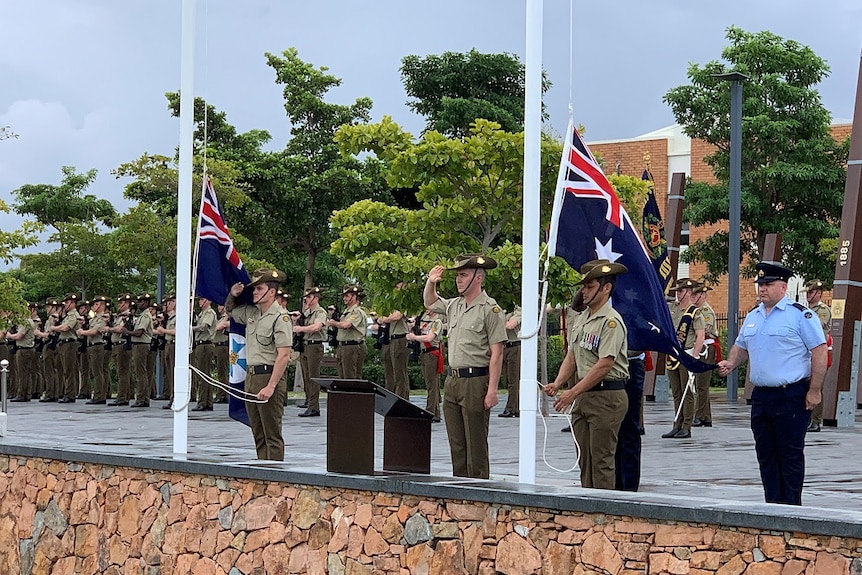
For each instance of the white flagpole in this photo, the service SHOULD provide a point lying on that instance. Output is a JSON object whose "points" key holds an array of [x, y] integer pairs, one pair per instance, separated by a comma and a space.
{"points": [[184, 216], [531, 231]]}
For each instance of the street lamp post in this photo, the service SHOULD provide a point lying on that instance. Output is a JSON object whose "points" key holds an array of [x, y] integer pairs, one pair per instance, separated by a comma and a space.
{"points": [[733, 256]]}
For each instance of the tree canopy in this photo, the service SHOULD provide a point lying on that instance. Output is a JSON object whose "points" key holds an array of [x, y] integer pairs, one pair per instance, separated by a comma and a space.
{"points": [[792, 169]]}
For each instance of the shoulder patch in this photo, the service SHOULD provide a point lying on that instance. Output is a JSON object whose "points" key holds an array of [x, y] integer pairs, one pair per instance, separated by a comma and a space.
{"points": [[612, 323], [799, 306], [808, 315], [285, 318], [496, 309]]}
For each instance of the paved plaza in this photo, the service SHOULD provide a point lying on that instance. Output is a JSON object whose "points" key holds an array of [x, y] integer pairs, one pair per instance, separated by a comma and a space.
{"points": [[716, 463]]}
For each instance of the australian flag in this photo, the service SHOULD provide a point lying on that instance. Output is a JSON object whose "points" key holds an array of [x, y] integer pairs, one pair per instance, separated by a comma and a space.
{"points": [[218, 268], [588, 223], [652, 228]]}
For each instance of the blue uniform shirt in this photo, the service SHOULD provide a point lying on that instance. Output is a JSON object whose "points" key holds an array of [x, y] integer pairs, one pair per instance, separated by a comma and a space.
{"points": [[779, 345]]}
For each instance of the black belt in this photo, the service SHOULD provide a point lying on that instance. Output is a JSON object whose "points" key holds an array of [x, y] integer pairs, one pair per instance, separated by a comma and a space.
{"points": [[260, 369], [513, 343], [609, 385], [399, 336], [469, 371], [68, 341], [314, 343], [803, 381], [221, 343], [94, 344], [19, 347], [430, 349], [140, 343], [202, 342], [350, 342]]}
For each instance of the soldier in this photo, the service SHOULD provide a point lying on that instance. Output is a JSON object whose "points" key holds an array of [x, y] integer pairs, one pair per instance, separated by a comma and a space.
{"points": [[703, 411], [429, 336], [477, 331], [203, 331], [269, 338], [25, 355], [141, 335], [597, 353], [824, 314], [395, 354], [351, 327], [98, 357], [121, 348], [312, 327], [168, 330], [67, 350], [221, 339], [83, 309], [512, 364], [50, 354], [691, 332]]}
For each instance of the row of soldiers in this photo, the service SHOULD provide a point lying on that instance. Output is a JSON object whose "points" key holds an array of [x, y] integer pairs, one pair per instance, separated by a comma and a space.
{"points": [[68, 355]]}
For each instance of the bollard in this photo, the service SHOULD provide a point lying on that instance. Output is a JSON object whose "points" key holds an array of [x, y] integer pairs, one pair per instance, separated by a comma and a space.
{"points": [[4, 372]]}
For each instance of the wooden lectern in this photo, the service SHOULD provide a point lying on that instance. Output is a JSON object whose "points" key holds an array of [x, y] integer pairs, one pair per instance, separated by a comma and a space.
{"points": [[350, 408]]}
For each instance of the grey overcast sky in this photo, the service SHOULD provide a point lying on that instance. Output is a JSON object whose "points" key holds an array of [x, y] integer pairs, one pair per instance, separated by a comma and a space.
{"points": [[83, 81]]}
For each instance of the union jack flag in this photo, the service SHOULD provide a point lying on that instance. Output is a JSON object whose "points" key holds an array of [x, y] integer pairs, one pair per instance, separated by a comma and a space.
{"points": [[218, 267], [589, 222]]}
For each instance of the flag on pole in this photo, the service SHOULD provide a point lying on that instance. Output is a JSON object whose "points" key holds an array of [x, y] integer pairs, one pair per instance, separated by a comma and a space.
{"points": [[652, 228], [218, 268], [589, 222]]}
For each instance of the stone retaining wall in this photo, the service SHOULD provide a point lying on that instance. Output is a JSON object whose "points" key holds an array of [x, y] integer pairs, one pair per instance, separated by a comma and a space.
{"points": [[62, 517]]}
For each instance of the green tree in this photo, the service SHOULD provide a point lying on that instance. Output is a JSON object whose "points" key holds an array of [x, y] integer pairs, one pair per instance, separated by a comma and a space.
{"points": [[453, 89], [792, 169], [52, 205]]}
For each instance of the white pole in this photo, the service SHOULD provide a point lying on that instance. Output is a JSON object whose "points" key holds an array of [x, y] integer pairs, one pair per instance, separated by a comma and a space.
{"points": [[184, 217], [531, 232]]}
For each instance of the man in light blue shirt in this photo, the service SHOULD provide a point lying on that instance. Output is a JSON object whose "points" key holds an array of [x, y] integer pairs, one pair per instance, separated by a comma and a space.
{"points": [[788, 364]]}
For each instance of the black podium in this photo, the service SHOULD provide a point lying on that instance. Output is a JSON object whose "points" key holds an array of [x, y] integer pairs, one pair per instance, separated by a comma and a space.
{"points": [[350, 408]]}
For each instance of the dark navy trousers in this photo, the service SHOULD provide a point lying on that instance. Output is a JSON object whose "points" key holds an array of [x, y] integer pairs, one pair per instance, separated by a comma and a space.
{"points": [[627, 459], [779, 420]]}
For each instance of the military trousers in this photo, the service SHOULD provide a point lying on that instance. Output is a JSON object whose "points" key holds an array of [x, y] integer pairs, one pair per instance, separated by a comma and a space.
{"points": [[98, 360], [395, 358], [123, 365], [140, 361], [83, 372], [50, 363], [703, 410], [627, 460], [221, 352], [351, 358], [596, 420], [168, 356], [512, 375], [25, 372], [678, 379], [203, 360], [68, 353], [432, 382], [309, 362], [265, 418], [467, 423]]}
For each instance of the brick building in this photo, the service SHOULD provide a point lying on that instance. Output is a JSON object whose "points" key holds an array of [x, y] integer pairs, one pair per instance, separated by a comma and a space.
{"points": [[669, 151]]}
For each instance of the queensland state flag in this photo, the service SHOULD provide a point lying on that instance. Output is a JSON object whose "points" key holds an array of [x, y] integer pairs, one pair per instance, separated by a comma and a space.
{"points": [[652, 228], [218, 268], [589, 222]]}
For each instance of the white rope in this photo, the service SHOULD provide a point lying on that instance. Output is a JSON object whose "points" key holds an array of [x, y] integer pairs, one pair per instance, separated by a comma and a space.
{"points": [[688, 385], [568, 417], [239, 394]]}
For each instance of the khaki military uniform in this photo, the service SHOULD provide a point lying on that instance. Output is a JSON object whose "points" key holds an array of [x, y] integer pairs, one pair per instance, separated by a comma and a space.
{"points": [[204, 354], [351, 350], [430, 360], [512, 364], [678, 376], [67, 348], [122, 353], [51, 361], [312, 353], [264, 334], [824, 314], [169, 358], [98, 358], [598, 413], [140, 352], [703, 409], [473, 330], [25, 361], [221, 349], [395, 356]]}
